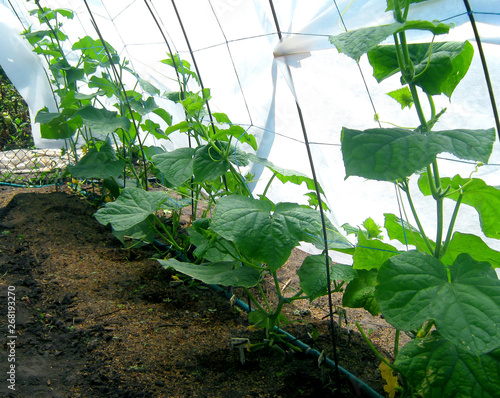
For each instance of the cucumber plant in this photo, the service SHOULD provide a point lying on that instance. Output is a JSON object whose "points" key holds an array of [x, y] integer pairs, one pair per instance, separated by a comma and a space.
{"points": [[445, 293], [85, 76]]}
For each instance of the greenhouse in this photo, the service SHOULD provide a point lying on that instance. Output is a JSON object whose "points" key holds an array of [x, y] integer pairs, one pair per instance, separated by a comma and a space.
{"points": [[260, 198]]}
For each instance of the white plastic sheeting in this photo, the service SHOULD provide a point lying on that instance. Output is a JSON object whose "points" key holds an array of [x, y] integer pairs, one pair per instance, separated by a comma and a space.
{"points": [[257, 80]]}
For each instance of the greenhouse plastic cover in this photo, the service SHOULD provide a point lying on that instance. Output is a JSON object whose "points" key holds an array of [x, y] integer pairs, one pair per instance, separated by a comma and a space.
{"points": [[258, 80]]}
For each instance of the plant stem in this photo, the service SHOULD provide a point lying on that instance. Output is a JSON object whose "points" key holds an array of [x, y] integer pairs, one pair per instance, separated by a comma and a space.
{"points": [[415, 216], [264, 297], [452, 224], [254, 300], [439, 209], [396, 343], [374, 350], [268, 185]]}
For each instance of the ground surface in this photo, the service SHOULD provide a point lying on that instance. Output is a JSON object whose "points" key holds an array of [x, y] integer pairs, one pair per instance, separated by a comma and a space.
{"points": [[94, 320]]}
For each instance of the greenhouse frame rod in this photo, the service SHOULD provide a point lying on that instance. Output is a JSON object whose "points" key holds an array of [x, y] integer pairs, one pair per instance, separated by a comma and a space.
{"points": [[194, 62], [183, 95], [117, 76], [181, 88], [17, 15], [320, 205], [485, 66], [199, 76]]}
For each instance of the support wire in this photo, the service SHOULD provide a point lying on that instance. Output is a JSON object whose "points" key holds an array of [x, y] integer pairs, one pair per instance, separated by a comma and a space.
{"points": [[322, 213]]}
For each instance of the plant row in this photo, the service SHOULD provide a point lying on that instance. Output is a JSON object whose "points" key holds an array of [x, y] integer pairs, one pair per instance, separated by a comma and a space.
{"points": [[443, 291]]}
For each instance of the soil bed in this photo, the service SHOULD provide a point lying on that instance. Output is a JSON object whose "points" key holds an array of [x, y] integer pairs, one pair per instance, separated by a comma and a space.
{"points": [[95, 320]]}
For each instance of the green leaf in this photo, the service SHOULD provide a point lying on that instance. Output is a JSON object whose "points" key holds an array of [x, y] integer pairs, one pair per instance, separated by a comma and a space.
{"points": [[182, 127], [167, 117], [403, 96], [100, 164], [360, 292], [407, 285], [209, 245], [284, 175], [133, 206], [221, 117], [262, 232], [439, 67], [74, 74], [404, 232], [44, 116], [55, 125], [390, 3], [176, 166], [313, 278], [372, 228], [357, 42], [476, 193], [238, 132], [390, 154], [80, 96], [414, 287], [449, 63], [138, 235], [142, 107], [225, 273], [209, 164], [371, 253], [102, 121], [474, 246], [94, 49], [437, 368], [105, 85], [182, 66]]}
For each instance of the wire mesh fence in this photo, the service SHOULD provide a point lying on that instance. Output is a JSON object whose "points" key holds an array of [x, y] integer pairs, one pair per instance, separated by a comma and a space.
{"points": [[32, 166]]}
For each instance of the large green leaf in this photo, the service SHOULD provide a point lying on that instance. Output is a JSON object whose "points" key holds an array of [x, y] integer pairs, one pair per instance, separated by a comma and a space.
{"points": [[404, 232], [225, 273], [101, 120], [176, 166], [437, 368], [98, 163], [139, 235], [407, 285], [357, 42], [133, 206], [390, 154], [263, 232], [55, 125], [360, 293], [439, 67], [474, 246], [414, 287], [313, 278], [476, 193]]}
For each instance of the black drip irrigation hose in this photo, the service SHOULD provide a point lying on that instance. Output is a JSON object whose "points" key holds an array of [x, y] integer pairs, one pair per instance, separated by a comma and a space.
{"points": [[359, 385]]}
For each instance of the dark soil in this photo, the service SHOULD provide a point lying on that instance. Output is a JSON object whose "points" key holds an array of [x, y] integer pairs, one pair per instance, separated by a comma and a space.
{"points": [[95, 320]]}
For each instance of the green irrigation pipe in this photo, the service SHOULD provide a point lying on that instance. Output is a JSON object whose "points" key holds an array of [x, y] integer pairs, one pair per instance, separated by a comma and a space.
{"points": [[11, 184], [362, 386]]}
